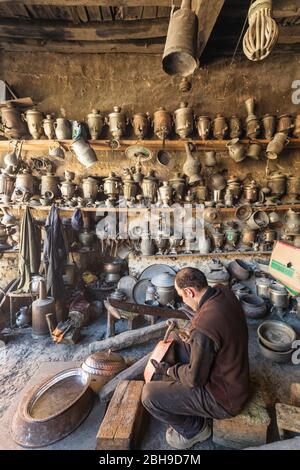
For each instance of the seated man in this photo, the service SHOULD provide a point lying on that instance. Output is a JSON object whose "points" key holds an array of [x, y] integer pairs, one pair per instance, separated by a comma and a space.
{"points": [[210, 375]]}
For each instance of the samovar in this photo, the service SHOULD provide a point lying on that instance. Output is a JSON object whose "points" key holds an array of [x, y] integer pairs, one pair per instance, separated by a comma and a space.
{"points": [[149, 187]]}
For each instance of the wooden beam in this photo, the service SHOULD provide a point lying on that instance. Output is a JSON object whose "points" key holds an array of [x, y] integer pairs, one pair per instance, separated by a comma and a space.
{"points": [[62, 31], [138, 46], [207, 12], [88, 3]]}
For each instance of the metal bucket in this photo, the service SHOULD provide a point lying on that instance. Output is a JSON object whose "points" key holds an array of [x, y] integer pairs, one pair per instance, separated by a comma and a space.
{"points": [[181, 44]]}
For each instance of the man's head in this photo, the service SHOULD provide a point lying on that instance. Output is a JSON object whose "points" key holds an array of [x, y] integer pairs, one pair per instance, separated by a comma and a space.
{"points": [[190, 284]]}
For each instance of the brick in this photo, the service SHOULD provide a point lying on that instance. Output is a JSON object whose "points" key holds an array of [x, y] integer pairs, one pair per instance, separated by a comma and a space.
{"points": [[287, 418], [247, 429]]}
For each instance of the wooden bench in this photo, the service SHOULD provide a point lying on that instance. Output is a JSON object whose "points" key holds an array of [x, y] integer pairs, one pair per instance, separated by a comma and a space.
{"points": [[121, 424]]}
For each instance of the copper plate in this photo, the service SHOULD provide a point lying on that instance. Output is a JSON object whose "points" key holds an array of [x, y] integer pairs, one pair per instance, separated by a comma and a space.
{"points": [[53, 409]]}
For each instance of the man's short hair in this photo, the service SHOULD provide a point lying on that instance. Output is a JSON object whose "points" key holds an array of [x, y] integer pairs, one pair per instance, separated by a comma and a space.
{"points": [[191, 277]]}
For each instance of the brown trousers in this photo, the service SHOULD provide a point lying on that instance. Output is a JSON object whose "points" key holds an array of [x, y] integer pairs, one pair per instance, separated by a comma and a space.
{"points": [[184, 408]]}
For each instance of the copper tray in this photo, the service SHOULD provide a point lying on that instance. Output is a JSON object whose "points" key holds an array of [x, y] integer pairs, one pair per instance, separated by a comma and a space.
{"points": [[53, 409]]}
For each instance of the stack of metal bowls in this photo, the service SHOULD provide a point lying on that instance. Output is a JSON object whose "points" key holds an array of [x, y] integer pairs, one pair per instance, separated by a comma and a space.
{"points": [[275, 340]]}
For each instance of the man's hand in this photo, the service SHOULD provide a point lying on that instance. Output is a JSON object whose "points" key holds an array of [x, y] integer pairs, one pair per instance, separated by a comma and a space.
{"points": [[160, 367]]}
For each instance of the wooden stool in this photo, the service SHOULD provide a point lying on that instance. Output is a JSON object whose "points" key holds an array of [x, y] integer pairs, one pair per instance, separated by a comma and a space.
{"points": [[20, 296]]}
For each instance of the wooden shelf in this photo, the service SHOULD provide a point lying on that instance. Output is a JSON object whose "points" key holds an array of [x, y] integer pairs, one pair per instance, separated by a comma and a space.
{"points": [[172, 145], [281, 207], [208, 255]]}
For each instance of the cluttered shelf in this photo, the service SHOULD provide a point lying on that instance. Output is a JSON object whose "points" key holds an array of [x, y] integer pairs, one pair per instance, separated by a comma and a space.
{"points": [[99, 209], [172, 145]]}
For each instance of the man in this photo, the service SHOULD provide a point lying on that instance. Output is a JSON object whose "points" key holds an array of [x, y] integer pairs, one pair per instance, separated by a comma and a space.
{"points": [[208, 376]]}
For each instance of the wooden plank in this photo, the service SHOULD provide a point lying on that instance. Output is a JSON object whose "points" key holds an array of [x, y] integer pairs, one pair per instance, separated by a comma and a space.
{"points": [[121, 424], [295, 394], [130, 338], [129, 13], [137, 46], [149, 12], [207, 13], [17, 11], [119, 30], [82, 14], [108, 3], [106, 13], [94, 13], [163, 12]]}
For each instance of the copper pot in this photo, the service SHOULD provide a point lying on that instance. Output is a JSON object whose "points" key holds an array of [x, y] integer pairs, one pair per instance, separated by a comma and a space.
{"points": [[248, 236], [149, 187], [95, 122], [90, 188], [293, 186], [162, 123], [117, 123], [179, 186], [235, 127], [24, 181], [204, 127], [252, 127], [277, 182], [102, 367], [141, 123], [296, 132], [250, 192], [285, 124], [34, 120], [184, 120], [220, 127], [49, 183], [48, 126], [269, 126], [14, 125]]}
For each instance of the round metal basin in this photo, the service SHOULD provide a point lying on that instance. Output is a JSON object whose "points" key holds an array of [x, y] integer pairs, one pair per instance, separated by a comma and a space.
{"points": [[53, 409]]}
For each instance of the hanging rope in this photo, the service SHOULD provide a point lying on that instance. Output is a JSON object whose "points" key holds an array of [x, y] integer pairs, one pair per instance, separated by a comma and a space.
{"points": [[262, 34]]}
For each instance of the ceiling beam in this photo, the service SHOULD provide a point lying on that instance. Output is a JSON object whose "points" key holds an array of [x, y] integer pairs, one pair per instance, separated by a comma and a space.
{"points": [[88, 3], [105, 31], [77, 47], [208, 13]]}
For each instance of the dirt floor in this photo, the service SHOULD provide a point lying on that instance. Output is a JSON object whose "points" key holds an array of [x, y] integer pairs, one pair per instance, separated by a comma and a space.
{"points": [[22, 356]]}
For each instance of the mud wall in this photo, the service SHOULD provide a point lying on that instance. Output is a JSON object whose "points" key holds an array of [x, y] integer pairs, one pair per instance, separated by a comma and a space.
{"points": [[72, 85]]}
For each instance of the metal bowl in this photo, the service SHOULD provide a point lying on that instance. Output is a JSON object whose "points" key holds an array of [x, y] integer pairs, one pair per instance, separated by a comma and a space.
{"points": [[254, 307], [275, 356], [53, 409], [239, 270], [276, 335]]}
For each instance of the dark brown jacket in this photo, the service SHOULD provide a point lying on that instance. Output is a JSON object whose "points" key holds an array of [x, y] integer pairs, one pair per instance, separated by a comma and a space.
{"points": [[222, 319]]}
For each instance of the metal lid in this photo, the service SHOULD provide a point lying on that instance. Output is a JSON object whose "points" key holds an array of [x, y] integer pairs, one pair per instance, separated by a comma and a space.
{"points": [[103, 363], [163, 280]]}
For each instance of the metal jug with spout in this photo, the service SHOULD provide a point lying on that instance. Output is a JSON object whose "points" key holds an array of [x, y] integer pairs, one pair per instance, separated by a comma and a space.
{"points": [[40, 308]]}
